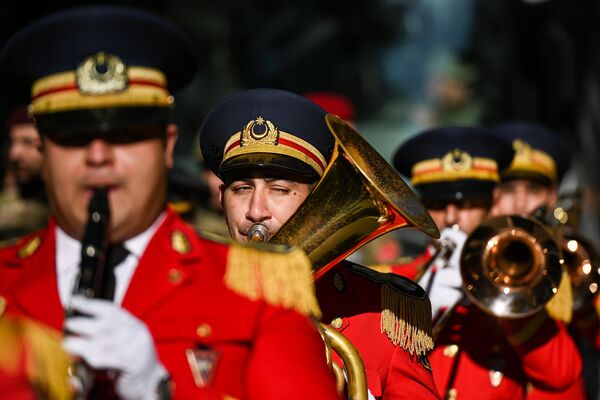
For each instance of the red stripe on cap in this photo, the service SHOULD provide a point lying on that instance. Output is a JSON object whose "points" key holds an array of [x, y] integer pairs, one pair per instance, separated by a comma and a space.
{"points": [[232, 146], [303, 150], [72, 86], [288, 143]]}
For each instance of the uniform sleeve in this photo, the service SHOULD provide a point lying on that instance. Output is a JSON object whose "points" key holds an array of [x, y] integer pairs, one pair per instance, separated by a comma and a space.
{"points": [[549, 355], [288, 360], [408, 378]]}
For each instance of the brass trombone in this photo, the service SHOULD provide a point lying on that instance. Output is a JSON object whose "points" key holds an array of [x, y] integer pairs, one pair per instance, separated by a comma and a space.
{"points": [[511, 266]]}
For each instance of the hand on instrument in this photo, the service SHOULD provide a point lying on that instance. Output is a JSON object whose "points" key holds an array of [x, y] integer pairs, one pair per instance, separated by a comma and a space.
{"points": [[109, 337], [446, 288]]}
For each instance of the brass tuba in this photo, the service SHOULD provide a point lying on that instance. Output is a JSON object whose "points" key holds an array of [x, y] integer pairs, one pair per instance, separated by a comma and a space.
{"points": [[511, 266], [358, 198]]}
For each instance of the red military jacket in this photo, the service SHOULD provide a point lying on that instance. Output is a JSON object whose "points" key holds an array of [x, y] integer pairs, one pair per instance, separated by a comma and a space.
{"points": [[350, 297], [216, 335], [473, 358]]}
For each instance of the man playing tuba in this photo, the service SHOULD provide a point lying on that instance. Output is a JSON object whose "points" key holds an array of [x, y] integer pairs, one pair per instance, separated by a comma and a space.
{"points": [[271, 147], [477, 355]]}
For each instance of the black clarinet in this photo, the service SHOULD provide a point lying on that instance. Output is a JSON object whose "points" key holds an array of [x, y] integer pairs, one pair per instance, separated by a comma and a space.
{"points": [[92, 274]]}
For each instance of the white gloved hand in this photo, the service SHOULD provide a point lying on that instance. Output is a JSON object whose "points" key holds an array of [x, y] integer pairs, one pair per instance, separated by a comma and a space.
{"points": [[109, 337], [446, 288]]}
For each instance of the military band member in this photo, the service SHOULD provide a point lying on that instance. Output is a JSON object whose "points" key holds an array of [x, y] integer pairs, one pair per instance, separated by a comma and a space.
{"points": [[270, 147], [477, 355], [188, 317], [23, 203], [531, 183]]}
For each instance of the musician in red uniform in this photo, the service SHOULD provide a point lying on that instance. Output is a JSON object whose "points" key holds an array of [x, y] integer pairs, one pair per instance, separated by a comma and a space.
{"points": [[477, 355], [185, 317], [270, 147], [530, 184]]}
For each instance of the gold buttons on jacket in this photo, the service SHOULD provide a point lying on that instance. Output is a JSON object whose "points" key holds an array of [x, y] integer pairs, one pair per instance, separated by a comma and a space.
{"points": [[180, 242], [337, 323], [2, 305], [203, 330], [451, 350], [175, 276]]}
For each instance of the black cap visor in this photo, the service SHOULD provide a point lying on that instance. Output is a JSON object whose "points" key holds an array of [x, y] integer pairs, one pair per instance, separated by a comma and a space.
{"points": [[115, 125], [469, 193], [282, 166]]}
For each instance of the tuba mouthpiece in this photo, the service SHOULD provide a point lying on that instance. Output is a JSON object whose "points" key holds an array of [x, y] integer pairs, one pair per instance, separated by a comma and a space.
{"points": [[258, 233]]}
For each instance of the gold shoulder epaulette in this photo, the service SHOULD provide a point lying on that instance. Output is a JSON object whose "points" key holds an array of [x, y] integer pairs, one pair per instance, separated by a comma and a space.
{"points": [[46, 362], [279, 275], [405, 310], [560, 306]]}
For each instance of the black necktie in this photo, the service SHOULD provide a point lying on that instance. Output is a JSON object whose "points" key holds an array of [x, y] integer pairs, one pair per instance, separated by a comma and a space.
{"points": [[116, 254]]}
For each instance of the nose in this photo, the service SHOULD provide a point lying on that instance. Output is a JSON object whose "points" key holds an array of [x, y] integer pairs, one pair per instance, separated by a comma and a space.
{"points": [[99, 153], [258, 210], [451, 217], [14, 152], [520, 203]]}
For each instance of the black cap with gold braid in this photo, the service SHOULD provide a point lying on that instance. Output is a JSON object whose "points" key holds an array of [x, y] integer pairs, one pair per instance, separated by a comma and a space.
{"points": [[98, 68], [540, 154]]}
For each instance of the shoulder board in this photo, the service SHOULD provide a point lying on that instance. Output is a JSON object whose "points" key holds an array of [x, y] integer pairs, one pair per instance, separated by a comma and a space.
{"points": [[405, 310], [277, 274]]}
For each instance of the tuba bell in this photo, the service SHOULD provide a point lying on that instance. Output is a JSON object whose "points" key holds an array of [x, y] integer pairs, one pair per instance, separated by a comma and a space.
{"points": [[511, 266], [359, 198]]}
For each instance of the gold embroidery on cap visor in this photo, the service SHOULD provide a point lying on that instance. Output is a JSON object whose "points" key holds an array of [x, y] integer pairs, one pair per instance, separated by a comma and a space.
{"points": [[530, 160], [262, 136], [101, 81], [455, 165]]}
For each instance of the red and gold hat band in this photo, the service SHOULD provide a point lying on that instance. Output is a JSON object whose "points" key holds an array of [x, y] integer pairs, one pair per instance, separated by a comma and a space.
{"points": [[262, 136], [455, 165], [530, 160], [101, 80]]}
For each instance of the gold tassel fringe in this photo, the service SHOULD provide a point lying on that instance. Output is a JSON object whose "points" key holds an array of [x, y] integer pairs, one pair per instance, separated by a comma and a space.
{"points": [[560, 306], [46, 362], [406, 321], [280, 278]]}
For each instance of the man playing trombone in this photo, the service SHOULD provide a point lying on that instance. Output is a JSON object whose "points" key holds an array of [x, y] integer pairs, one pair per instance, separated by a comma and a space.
{"points": [[477, 355], [529, 185]]}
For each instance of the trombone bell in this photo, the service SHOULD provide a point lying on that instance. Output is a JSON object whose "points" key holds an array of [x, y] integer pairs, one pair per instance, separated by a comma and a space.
{"points": [[511, 266]]}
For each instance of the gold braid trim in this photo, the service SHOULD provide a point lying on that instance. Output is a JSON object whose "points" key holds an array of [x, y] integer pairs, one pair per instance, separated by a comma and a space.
{"points": [[406, 321], [560, 306], [280, 278], [46, 362]]}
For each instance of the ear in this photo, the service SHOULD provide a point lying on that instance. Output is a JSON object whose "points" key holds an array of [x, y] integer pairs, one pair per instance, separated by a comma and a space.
{"points": [[170, 140], [221, 197]]}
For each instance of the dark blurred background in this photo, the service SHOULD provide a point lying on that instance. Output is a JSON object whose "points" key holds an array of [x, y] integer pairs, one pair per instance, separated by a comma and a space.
{"points": [[404, 64]]}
